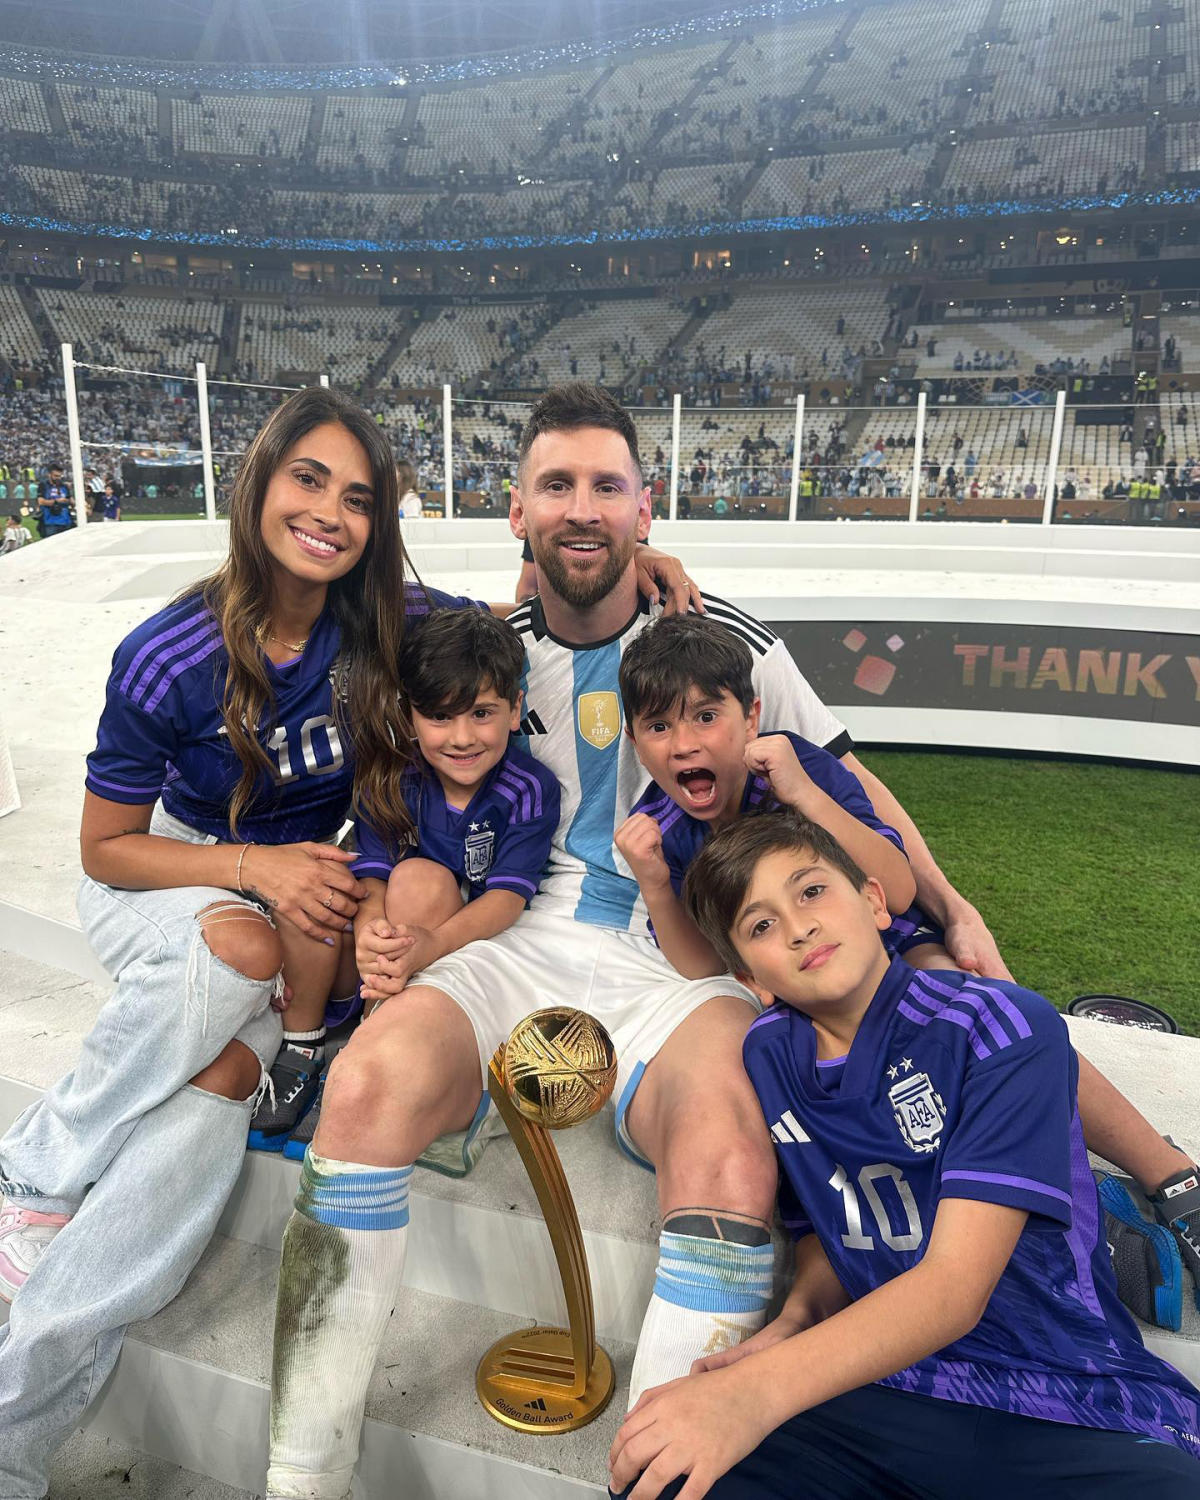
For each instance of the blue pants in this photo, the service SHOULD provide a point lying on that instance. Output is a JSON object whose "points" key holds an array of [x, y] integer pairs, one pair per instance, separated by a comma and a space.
{"points": [[880, 1444]]}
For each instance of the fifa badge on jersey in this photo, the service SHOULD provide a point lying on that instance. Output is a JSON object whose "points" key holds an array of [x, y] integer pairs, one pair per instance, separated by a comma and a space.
{"points": [[919, 1110], [599, 719], [479, 847]]}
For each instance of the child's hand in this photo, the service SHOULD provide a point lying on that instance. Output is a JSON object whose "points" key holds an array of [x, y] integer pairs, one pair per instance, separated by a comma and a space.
{"points": [[640, 841], [378, 940], [773, 757], [699, 1426], [417, 948]]}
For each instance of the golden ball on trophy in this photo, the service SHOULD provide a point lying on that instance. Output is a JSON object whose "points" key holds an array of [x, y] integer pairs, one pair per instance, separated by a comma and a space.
{"points": [[559, 1067]]}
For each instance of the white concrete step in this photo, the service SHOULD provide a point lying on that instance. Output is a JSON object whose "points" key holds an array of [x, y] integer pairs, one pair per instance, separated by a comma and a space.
{"points": [[91, 1466], [192, 1388]]}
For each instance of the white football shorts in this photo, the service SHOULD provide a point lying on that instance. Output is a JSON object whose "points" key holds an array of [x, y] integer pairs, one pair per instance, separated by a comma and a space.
{"points": [[548, 959]]}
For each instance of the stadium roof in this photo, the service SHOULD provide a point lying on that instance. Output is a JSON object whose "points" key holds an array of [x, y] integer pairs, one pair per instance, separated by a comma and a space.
{"points": [[293, 33]]}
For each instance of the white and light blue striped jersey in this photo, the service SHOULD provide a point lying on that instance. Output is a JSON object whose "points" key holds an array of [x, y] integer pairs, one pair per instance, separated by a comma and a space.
{"points": [[573, 724]]}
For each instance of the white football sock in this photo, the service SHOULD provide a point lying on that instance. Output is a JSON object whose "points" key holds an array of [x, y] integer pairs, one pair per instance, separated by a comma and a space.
{"points": [[343, 1259], [709, 1295]]}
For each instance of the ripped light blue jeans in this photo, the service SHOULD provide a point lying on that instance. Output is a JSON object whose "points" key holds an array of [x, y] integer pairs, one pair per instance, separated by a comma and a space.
{"points": [[144, 1160]]}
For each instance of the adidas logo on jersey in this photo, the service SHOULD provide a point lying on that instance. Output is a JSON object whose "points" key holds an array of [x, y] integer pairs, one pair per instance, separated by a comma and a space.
{"points": [[788, 1131]]}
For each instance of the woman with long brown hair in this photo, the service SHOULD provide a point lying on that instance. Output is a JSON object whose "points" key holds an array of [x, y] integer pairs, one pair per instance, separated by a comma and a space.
{"points": [[242, 723]]}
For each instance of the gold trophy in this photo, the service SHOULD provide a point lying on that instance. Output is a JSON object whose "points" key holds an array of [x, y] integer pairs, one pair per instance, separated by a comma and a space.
{"points": [[556, 1069]]}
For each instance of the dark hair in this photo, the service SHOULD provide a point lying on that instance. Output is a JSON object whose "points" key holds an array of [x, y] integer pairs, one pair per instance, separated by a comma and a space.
{"points": [[451, 655], [577, 404], [664, 662], [367, 603], [719, 877]]}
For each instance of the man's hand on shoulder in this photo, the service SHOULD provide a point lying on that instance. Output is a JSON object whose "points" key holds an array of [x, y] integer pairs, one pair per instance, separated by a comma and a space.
{"points": [[680, 593], [971, 945]]}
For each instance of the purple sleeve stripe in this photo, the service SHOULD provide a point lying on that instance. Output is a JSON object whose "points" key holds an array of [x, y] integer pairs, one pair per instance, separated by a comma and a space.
{"points": [[1020, 1024], [945, 1014], [179, 667], [165, 660], [156, 643], [518, 795], [891, 835], [373, 867], [652, 809], [796, 1223], [207, 630], [965, 997], [92, 779], [529, 784], [669, 819], [766, 1018], [509, 881], [1002, 1179]]}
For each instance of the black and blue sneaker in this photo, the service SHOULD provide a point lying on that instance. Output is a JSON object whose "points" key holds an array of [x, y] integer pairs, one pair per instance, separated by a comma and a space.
{"points": [[302, 1137], [1145, 1257], [1176, 1205], [294, 1082]]}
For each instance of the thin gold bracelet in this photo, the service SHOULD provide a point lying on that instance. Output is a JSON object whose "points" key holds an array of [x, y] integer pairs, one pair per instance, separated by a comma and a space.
{"points": [[238, 876]]}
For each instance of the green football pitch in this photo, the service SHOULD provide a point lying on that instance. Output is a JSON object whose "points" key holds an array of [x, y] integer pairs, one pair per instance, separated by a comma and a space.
{"points": [[1085, 872]]}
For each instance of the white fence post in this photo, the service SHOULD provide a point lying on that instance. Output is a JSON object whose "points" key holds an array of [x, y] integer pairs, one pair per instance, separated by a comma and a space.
{"points": [[448, 451], [676, 412], [82, 498], [794, 497], [210, 488], [325, 381], [914, 499], [1060, 411]]}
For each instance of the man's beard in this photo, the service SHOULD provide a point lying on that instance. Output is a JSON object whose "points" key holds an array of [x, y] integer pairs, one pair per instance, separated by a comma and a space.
{"points": [[581, 592]]}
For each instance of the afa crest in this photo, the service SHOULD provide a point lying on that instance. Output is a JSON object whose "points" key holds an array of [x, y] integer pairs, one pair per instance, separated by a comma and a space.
{"points": [[479, 847], [919, 1111], [599, 718]]}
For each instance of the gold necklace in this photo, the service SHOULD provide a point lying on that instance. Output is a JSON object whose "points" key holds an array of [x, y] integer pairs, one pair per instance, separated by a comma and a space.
{"points": [[297, 646]]}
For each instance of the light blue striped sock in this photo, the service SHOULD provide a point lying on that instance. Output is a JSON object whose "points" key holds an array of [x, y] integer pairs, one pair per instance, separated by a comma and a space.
{"points": [[709, 1295], [348, 1195]]}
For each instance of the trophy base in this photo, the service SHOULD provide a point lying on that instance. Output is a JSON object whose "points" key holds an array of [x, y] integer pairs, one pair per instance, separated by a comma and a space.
{"points": [[525, 1381]]}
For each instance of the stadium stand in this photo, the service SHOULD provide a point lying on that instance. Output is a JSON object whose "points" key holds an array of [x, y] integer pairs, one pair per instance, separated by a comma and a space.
{"points": [[360, 130], [172, 333], [607, 341], [20, 342], [223, 126], [120, 118], [1060, 162], [459, 343], [1072, 58], [509, 117], [1056, 343], [22, 107], [840, 181], [342, 342]]}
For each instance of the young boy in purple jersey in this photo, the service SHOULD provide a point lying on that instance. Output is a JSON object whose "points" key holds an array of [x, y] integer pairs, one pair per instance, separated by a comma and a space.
{"points": [[481, 818], [953, 1328], [690, 708], [483, 812]]}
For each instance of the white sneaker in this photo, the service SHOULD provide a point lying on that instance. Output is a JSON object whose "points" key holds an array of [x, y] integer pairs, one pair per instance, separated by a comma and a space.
{"points": [[24, 1235]]}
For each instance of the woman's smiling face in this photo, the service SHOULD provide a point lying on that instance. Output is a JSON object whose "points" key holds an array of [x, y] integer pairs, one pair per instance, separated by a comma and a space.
{"points": [[316, 513]]}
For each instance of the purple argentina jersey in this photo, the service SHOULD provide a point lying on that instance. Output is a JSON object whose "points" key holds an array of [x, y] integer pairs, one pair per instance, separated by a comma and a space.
{"points": [[682, 835], [957, 1087], [162, 731], [499, 842]]}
